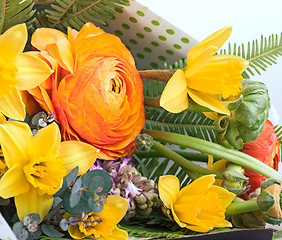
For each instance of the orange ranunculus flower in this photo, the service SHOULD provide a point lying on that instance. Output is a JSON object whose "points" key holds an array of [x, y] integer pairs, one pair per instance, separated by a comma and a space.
{"points": [[265, 148], [96, 92]]}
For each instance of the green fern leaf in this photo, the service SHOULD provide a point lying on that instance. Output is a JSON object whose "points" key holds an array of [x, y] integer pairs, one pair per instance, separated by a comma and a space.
{"points": [[14, 12], [75, 13], [278, 131], [259, 54], [141, 231]]}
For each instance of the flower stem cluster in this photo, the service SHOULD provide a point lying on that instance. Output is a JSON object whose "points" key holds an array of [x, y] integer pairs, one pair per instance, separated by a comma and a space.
{"points": [[131, 185]]}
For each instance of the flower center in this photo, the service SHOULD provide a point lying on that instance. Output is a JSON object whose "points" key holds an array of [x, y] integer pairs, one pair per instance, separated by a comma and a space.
{"points": [[88, 225], [115, 85], [7, 76], [45, 173]]}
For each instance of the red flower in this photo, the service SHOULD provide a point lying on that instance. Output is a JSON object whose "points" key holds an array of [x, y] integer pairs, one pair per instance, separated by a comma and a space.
{"points": [[265, 148]]}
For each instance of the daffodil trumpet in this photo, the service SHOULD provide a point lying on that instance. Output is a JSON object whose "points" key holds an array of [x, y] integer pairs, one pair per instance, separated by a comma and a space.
{"points": [[215, 150]]}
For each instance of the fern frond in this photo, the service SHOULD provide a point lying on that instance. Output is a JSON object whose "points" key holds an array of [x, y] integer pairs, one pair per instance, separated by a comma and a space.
{"points": [[141, 231], [259, 54], [75, 13], [278, 131], [14, 12], [188, 123]]}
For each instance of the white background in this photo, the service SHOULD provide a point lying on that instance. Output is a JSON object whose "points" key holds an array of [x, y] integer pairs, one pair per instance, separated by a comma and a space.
{"points": [[249, 18]]}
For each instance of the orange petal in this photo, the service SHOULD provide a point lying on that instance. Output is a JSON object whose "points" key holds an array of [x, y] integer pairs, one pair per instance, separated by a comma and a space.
{"points": [[49, 35]]}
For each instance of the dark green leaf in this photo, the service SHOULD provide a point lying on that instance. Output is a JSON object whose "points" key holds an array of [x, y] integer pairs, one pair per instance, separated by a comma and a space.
{"points": [[50, 231]]}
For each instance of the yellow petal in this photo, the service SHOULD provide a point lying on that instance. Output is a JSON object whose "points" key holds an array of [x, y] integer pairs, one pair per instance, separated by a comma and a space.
{"points": [[168, 189], [219, 165], [176, 219], [217, 39], [32, 71], [2, 118], [116, 206], [199, 228], [15, 138], [224, 195], [32, 202], [13, 182], [199, 186], [223, 58], [209, 101], [46, 142], [13, 41], [117, 234], [75, 153], [200, 61], [12, 105], [174, 97], [224, 223], [211, 115], [75, 233]]}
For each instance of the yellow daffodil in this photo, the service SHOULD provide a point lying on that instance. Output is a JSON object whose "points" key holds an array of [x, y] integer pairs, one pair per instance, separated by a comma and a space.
{"points": [[206, 77], [200, 206], [37, 165], [105, 226], [18, 71]]}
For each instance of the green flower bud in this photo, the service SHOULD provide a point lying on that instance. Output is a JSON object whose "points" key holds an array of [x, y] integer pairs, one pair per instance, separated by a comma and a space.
{"points": [[143, 142], [247, 116], [265, 201], [145, 212], [140, 199], [142, 206], [234, 179]]}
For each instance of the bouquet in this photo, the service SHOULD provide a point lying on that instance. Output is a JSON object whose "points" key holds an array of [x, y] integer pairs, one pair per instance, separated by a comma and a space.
{"points": [[92, 147]]}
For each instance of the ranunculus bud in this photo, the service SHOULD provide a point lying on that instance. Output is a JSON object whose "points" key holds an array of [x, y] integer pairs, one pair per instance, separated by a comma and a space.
{"points": [[247, 116], [95, 91]]}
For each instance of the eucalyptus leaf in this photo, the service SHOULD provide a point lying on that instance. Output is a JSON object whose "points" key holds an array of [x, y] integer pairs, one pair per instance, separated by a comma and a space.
{"points": [[102, 183], [72, 175], [50, 231], [78, 209], [75, 193], [64, 224], [96, 206], [19, 231]]}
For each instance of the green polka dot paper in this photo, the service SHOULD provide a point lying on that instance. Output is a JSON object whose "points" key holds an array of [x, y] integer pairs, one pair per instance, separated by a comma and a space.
{"points": [[151, 39]]}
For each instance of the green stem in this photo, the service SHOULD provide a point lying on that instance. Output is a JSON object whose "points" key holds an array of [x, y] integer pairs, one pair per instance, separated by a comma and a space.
{"points": [[192, 156], [242, 207], [192, 107], [215, 150], [160, 75], [183, 162]]}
